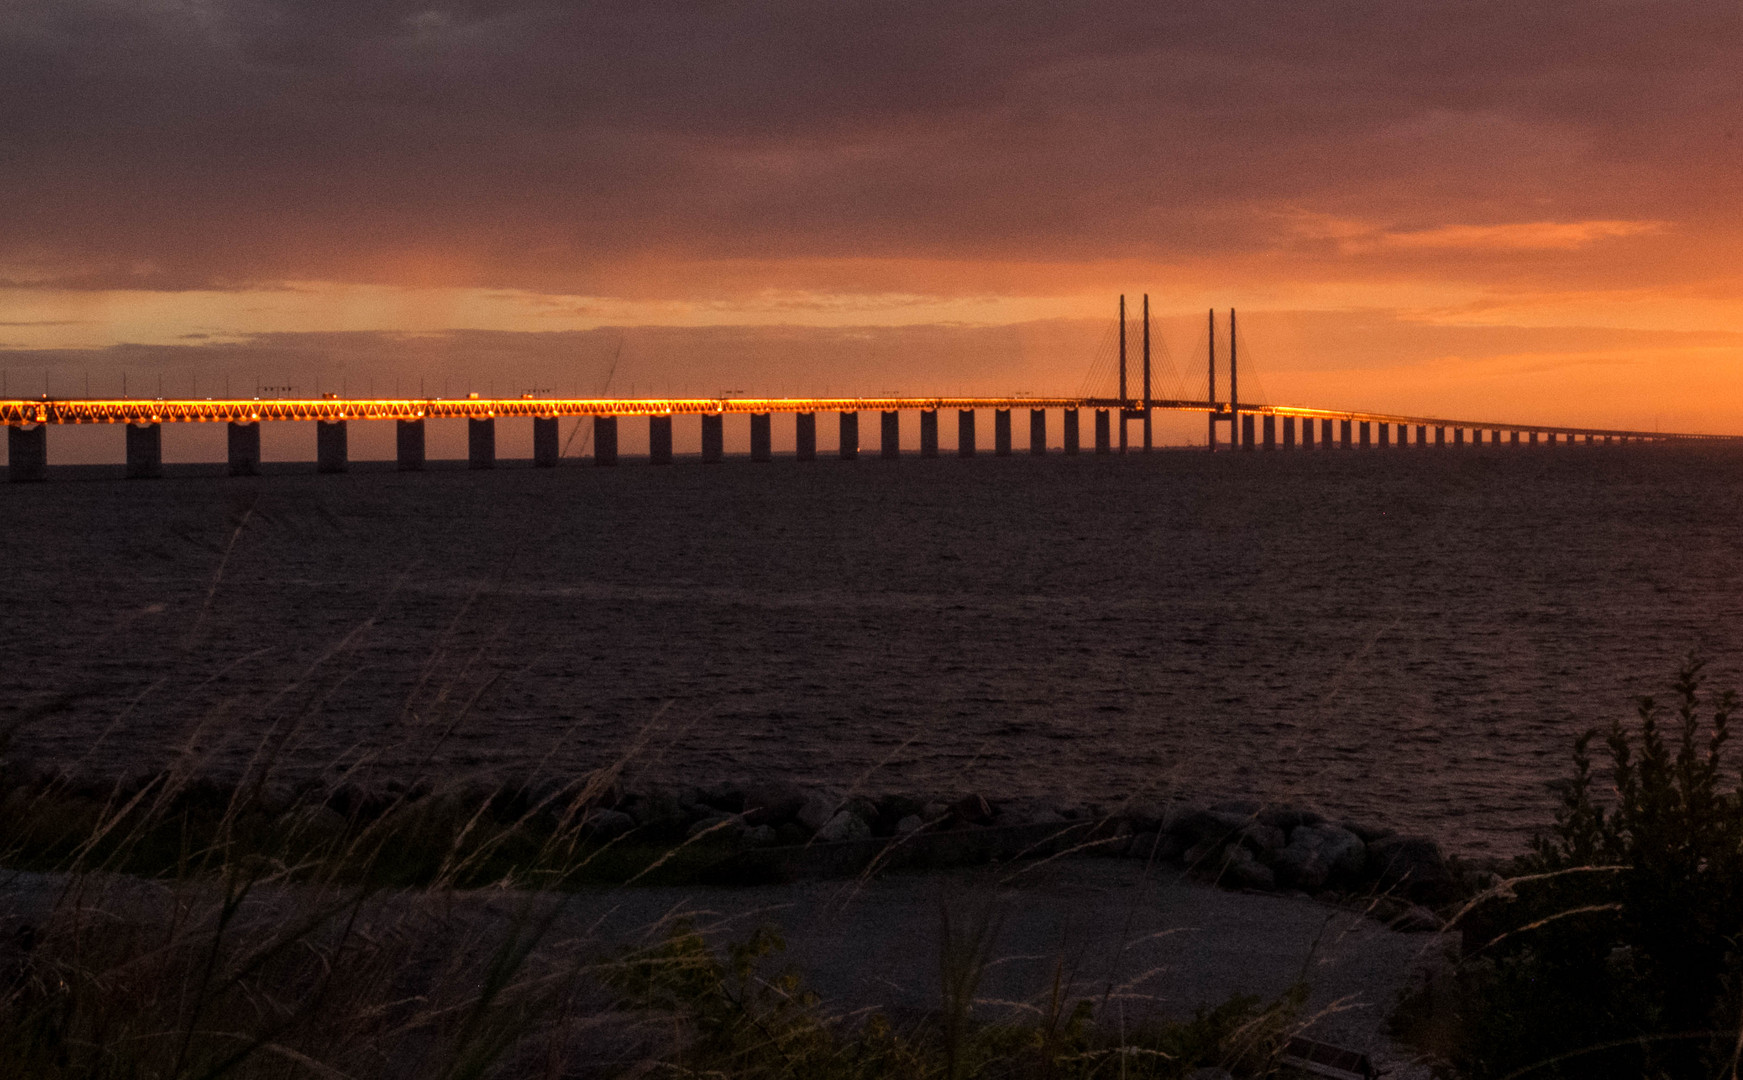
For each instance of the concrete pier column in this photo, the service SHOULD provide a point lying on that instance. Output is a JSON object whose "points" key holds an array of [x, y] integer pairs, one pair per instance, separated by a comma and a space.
{"points": [[547, 445], [1385, 434], [605, 440], [1246, 431], [1366, 434], [928, 433], [965, 433], [1071, 431], [481, 442], [1289, 433], [1325, 437], [144, 451], [1270, 431], [1104, 443], [713, 438], [1439, 437], [660, 439], [244, 447], [1421, 434], [1002, 432], [1534, 438], [27, 450], [1344, 433], [849, 436], [409, 441], [890, 434], [1306, 433], [762, 443], [1037, 431], [1513, 438], [331, 449], [805, 436]]}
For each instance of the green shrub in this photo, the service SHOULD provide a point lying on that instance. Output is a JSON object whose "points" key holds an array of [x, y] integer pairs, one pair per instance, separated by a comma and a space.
{"points": [[1614, 952]]}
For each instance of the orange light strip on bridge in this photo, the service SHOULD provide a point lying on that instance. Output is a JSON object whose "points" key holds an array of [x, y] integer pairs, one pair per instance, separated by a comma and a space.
{"points": [[22, 411]]}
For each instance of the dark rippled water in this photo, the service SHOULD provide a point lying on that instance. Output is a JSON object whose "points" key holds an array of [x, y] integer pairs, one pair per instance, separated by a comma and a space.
{"points": [[1406, 637]]}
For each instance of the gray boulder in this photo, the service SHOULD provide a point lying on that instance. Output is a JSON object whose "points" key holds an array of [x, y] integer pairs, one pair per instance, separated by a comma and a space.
{"points": [[607, 824], [719, 827], [771, 802], [910, 825], [1241, 869], [1317, 854], [1413, 865], [845, 825], [816, 810]]}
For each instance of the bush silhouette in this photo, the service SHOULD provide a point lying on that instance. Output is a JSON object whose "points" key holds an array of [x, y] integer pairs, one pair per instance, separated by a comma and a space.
{"points": [[1614, 952]]}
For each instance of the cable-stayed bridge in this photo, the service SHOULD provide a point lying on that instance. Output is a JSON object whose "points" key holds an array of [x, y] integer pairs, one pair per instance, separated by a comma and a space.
{"points": [[1252, 425]]}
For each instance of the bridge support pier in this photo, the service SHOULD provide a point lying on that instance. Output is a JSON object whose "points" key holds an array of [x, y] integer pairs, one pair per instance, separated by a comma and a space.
{"points": [[1104, 443], [243, 444], [144, 451], [965, 433], [1001, 433], [660, 439], [605, 440], [1385, 435], [1458, 436], [762, 443], [713, 438], [547, 442], [1439, 437], [1513, 438], [1325, 436], [1289, 433], [890, 434], [481, 442], [1366, 435], [928, 433], [1307, 433], [1270, 432], [1421, 435], [1246, 431], [27, 453], [805, 436], [330, 446], [408, 438], [849, 436], [1038, 431], [1071, 431], [1344, 433]]}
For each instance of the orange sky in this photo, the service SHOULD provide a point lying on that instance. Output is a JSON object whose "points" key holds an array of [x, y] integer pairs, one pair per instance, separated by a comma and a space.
{"points": [[1518, 212]]}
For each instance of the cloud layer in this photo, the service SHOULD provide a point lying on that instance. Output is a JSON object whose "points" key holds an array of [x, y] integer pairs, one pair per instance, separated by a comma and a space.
{"points": [[617, 148]]}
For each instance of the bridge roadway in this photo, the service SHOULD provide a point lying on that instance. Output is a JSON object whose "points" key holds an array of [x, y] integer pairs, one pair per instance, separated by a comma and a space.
{"points": [[1252, 424]]}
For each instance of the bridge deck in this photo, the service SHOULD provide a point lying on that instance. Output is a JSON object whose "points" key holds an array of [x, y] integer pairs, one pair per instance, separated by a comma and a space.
{"points": [[23, 411]]}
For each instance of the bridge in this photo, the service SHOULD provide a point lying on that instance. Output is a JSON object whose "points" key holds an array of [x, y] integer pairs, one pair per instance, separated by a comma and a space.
{"points": [[1252, 425]]}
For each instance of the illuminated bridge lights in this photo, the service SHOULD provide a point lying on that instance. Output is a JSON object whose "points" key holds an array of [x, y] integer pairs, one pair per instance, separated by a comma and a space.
{"points": [[27, 411]]}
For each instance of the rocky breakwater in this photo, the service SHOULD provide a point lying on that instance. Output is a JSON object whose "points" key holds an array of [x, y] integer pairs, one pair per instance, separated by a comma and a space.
{"points": [[773, 832]]}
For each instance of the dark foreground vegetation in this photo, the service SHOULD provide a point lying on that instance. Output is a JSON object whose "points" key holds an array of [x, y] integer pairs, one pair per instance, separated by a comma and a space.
{"points": [[1615, 949], [175, 928]]}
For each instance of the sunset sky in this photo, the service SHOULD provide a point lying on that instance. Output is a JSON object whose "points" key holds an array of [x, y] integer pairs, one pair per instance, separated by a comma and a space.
{"points": [[1518, 211]]}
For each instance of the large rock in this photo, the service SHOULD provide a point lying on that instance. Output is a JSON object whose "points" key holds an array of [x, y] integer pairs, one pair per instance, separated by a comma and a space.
{"points": [[771, 802], [972, 810], [720, 828], [607, 824], [1241, 869], [1319, 854], [1263, 840], [816, 810], [1413, 865], [845, 825]]}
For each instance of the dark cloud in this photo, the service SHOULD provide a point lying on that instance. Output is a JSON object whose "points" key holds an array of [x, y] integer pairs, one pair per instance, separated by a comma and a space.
{"points": [[542, 144]]}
